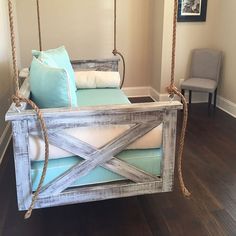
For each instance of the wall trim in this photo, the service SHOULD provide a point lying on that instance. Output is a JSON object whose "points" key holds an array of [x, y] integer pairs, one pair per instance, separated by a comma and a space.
{"points": [[5, 140], [154, 94], [226, 106], [222, 103], [136, 91], [161, 97], [197, 97]]}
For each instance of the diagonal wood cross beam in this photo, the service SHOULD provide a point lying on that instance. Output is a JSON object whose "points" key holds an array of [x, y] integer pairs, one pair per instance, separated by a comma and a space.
{"points": [[95, 157], [84, 150]]}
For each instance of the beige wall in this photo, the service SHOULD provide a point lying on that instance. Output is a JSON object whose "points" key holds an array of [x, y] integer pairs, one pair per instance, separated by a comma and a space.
{"points": [[190, 35], [86, 29], [5, 75], [144, 36], [5, 72], [157, 41], [195, 35], [217, 32], [225, 38]]}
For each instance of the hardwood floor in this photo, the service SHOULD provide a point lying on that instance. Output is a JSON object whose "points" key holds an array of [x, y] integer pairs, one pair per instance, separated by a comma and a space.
{"points": [[210, 174]]}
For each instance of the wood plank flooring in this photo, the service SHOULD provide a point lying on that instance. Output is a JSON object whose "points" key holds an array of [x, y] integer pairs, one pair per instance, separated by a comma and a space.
{"points": [[210, 174]]}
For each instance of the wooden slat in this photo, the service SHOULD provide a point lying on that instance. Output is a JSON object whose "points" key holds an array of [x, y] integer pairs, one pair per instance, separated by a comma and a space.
{"points": [[97, 65], [96, 120], [71, 144], [169, 140], [97, 193], [62, 118], [129, 172], [98, 61], [103, 155], [22, 164], [63, 113], [24, 92], [85, 150]]}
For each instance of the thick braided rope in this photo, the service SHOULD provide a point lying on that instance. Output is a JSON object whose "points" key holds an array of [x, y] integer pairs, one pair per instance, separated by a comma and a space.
{"points": [[184, 190], [39, 26], [115, 25], [115, 51], [174, 91], [173, 56], [181, 145], [17, 99], [13, 48]]}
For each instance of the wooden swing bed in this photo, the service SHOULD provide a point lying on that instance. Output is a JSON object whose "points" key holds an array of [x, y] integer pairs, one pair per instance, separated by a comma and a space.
{"points": [[141, 118]]}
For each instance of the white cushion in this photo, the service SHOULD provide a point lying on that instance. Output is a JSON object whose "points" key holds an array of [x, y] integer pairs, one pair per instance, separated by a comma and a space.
{"points": [[97, 79], [95, 136]]}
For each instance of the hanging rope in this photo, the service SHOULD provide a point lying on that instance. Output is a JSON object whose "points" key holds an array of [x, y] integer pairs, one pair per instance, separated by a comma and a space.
{"points": [[13, 49], [172, 90], [39, 26], [17, 99], [115, 51]]}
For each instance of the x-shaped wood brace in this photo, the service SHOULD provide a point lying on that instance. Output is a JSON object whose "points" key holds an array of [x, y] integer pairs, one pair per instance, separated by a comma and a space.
{"points": [[98, 157]]}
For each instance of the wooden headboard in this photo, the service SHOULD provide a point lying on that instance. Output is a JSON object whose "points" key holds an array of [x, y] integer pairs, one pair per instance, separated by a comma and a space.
{"points": [[97, 65]]}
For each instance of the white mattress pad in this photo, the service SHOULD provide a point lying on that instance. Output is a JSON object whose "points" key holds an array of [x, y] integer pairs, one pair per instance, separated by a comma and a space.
{"points": [[95, 136]]}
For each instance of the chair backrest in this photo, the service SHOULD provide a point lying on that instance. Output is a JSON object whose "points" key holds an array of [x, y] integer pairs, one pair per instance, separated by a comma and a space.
{"points": [[206, 63]]}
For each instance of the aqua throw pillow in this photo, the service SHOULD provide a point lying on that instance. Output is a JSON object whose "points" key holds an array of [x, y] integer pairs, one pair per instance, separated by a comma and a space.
{"points": [[50, 86], [60, 57]]}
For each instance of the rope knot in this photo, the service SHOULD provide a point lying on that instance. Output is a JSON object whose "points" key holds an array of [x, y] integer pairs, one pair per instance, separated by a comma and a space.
{"points": [[171, 89], [16, 100], [115, 52]]}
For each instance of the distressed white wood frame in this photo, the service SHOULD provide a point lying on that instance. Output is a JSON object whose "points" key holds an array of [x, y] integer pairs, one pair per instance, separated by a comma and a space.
{"points": [[141, 117]]}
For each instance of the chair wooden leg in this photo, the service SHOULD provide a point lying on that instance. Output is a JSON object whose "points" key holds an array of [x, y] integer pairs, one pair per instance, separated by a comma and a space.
{"points": [[215, 97], [190, 97], [209, 101]]}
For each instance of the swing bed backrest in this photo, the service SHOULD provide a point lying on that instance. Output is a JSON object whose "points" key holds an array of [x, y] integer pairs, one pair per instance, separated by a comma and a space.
{"points": [[142, 118]]}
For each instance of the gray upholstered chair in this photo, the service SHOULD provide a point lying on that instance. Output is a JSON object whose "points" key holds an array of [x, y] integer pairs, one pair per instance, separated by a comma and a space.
{"points": [[204, 74]]}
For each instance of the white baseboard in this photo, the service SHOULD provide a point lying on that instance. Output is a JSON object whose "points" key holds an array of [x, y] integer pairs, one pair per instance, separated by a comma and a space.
{"points": [[4, 141], [222, 103], [136, 91], [154, 94], [226, 106], [161, 97], [197, 97]]}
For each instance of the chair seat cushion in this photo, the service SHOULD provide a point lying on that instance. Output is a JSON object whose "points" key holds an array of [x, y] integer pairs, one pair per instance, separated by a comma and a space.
{"points": [[199, 84]]}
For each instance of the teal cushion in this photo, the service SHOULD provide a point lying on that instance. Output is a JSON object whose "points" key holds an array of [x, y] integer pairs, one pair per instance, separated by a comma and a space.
{"points": [[149, 160], [101, 97], [61, 58], [50, 86]]}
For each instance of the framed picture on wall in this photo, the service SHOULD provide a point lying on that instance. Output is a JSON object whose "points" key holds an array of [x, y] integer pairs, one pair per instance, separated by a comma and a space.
{"points": [[192, 10]]}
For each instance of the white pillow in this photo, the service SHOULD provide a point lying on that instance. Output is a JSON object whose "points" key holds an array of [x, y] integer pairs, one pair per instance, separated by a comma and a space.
{"points": [[97, 79], [24, 73]]}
